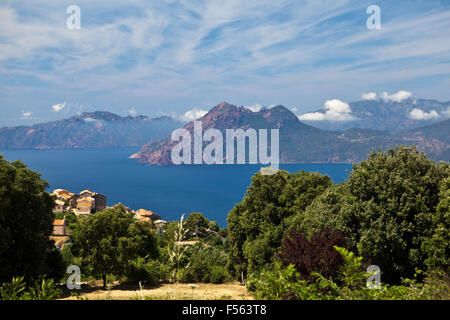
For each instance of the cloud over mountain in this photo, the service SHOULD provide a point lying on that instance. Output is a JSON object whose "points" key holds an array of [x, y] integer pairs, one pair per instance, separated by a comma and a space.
{"points": [[446, 113], [132, 112], [419, 114], [396, 97], [335, 110], [369, 96], [59, 106], [26, 114], [254, 107], [192, 114]]}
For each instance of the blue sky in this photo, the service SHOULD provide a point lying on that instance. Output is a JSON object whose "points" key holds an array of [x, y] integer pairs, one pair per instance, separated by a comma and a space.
{"points": [[180, 57]]}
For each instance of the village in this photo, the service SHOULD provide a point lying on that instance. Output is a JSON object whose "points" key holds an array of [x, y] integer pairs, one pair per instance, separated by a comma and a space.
{"points": [[85, 204]]}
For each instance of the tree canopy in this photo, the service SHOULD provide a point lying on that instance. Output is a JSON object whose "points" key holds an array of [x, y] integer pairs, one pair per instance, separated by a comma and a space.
{"points": [[109, 240], [196, 222], [257, 224], [392, 208], [26, 222]]}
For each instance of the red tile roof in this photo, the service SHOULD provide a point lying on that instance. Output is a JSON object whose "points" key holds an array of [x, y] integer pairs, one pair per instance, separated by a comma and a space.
{"points": [[58, 222]]}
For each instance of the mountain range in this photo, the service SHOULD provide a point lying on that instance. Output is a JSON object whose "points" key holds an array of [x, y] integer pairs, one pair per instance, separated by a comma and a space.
{"points": [[88, 130], [384, 114], [300, 142]]}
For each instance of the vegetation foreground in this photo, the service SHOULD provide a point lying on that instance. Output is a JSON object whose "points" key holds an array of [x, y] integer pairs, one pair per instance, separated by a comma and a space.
{"points": [[293, 236]]}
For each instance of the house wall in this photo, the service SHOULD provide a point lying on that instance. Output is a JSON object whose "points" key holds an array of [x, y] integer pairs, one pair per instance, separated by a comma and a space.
{"points": [[59, 208], [100, 202], [59, 230]]}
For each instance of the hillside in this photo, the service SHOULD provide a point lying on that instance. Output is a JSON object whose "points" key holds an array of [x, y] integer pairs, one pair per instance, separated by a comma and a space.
{"points": [[89, 130], [391, 116], [300, 142]]}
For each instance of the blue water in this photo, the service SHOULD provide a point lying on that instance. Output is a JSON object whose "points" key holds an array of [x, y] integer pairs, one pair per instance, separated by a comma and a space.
{"points": [[168, 191]]}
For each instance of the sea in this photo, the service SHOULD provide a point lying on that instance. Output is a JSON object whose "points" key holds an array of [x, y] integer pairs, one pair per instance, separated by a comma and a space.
{"points": [[169, 191]]}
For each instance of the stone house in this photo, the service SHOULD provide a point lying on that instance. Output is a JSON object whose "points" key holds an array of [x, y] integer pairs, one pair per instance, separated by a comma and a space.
{"points": [[59, 227], [59, 206]]}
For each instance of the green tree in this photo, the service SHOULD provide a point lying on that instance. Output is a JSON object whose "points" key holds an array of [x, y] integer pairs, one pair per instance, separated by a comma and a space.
{"points": [[398, 192], [196, 222], [392, 208], [26, 222], [437, 245], [329, 210], [213, 225], [110, 240], [257, 224], [207, 264], [169, 232]]}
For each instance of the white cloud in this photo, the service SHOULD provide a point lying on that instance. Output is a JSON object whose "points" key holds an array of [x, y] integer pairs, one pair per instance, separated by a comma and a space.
{"points": [[369, 96], [132, 112], [59, 106], [446, 113], [396, 97], [255, 107], [419, 114], [337, 106], [90, 119], [26, 114], [205, 50], [312, 116], [192, 115], [338, 110], [335, 110]]}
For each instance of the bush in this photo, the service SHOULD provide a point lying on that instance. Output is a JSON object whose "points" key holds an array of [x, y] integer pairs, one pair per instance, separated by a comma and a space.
{"points": [[151, 272], [314, 255], [206, 264], [44, 289], [218, 274], [282, 283], [285, 283]]}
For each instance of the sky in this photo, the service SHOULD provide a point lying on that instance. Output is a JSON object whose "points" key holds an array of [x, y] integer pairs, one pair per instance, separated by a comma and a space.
{"points": [[182, 57]]}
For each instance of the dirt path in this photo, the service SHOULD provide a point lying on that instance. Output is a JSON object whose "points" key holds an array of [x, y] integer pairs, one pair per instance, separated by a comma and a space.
{"points": [[179, 291]]}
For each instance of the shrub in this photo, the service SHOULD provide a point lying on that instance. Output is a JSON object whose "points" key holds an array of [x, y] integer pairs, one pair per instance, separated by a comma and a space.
{"points": [[434, 287], [206, 264], [218, 274], [13, 290], [282, 283], [45, 289], [150, 272], [316, 254]]}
